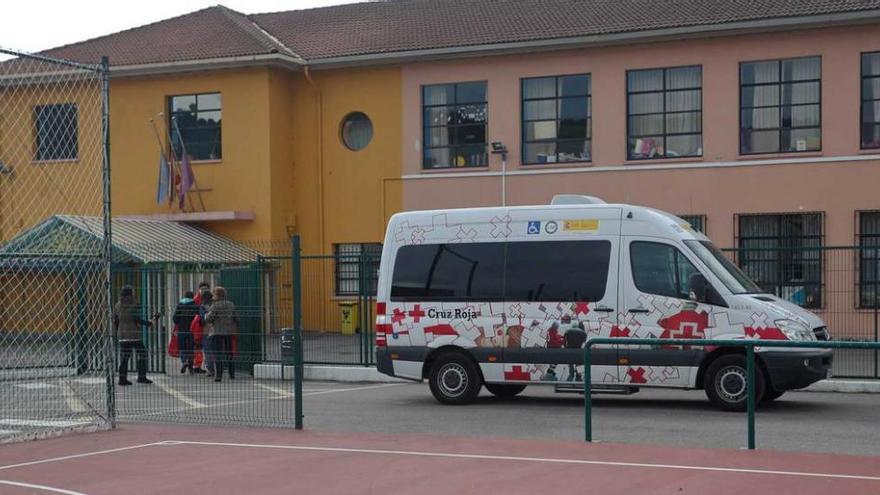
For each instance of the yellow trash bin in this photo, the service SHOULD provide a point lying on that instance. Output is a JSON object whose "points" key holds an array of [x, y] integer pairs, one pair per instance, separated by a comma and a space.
{"points": [[348, 317]]}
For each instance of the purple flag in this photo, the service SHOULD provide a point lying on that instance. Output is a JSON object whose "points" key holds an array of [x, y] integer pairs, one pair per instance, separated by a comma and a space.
{"points": [[186, 178], [164, 180]]}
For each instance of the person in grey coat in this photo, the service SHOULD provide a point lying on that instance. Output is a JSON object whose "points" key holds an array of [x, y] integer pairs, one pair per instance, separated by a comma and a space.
{"points": [[127, 323], [223, 319]]}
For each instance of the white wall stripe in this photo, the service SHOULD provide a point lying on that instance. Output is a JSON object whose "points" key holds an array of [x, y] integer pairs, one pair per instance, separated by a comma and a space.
{"points": [[655, 166]]}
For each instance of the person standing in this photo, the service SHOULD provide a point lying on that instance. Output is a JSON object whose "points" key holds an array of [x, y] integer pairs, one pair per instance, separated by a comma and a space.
{"points": [[127, 323], [184, 314], [223, 318], [204, 330]]}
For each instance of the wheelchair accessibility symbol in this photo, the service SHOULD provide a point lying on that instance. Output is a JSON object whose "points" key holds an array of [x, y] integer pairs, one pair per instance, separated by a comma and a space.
{"points": [[534, 227]]}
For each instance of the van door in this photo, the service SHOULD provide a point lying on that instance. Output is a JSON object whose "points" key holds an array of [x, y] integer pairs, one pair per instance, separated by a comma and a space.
{"points": [[559, 291], [656, 304]]}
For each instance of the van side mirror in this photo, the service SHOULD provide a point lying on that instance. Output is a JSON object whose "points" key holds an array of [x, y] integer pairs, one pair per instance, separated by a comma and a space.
{"points": [[697, 287]]}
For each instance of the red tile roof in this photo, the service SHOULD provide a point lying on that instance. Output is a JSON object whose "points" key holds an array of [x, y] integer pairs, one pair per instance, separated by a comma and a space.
{"points": [[214, 32], [402, 25], [381, 27]]}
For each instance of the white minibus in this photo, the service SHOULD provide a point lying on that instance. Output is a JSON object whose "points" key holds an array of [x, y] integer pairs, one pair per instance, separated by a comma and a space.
{"points": [[506, 297]]}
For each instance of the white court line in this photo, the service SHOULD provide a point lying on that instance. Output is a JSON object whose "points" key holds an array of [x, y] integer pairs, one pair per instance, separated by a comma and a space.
{"points": [[529, 459], [40, 487], [174, 393], [276, 390], [77, 456], [73, 401], [353, 389]]}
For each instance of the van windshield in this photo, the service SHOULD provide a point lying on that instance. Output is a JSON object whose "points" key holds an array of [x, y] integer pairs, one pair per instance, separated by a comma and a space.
{"points": [[729, 274]]}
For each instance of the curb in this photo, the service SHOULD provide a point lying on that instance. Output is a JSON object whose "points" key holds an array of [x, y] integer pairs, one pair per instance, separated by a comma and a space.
{"points": [[369, 374], [325, 373]]}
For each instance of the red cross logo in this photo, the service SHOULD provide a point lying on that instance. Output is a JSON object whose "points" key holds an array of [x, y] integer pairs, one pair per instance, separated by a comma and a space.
{"points": [[581, 308], [517, 373], [416, 313], [398, 316], [636, 375]]}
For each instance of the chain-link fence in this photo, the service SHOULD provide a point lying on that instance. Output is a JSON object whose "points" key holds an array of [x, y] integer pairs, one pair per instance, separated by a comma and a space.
{"points": [[55, 354]]}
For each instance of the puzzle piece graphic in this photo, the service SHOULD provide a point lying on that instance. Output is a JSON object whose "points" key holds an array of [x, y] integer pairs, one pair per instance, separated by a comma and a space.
{"points": [[500, 226]]}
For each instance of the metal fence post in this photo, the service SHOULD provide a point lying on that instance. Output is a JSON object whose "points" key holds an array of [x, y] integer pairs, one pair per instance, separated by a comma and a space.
{"points": [[588, 390], [296, 260], [750, 391], [876, 352], [107, 247]]}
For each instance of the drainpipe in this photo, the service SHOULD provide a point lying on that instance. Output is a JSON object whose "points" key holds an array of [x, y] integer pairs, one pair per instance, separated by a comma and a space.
{"points": [[319, 118]]}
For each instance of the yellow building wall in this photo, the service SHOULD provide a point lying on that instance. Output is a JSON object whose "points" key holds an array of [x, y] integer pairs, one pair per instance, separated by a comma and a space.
{"points": [[238, 181], [33, 190], [340, 195]]}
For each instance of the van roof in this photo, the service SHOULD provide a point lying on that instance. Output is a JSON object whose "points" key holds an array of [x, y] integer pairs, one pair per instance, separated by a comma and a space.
{"points": [[662, 223]]}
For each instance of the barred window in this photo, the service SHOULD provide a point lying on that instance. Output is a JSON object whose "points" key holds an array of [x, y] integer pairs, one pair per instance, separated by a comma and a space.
{"points": [[199, 119], [556, 123], [348, 262], [869, 258], [782, 254], [698, 222], [664, 113], [57, 136], [454, 123], [781, 106], [871, 100]]}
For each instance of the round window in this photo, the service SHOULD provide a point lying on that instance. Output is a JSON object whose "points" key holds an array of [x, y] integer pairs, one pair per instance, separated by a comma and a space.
{"points": [[357, 131]]}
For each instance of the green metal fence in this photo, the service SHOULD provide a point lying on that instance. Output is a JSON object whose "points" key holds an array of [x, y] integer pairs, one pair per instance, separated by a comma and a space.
{"points": [[748, 345], [840, 284]]}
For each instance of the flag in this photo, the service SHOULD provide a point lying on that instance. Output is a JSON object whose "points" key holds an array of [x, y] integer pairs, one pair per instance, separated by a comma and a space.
{"points": [[187, 178], [164, 190]]}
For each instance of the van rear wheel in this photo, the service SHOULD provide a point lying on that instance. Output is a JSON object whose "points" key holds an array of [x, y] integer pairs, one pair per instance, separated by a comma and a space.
{"points": [[504, 390], [454, 379], [725, 383]]}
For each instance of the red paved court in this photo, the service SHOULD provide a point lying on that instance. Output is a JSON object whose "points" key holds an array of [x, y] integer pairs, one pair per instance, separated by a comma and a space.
{"points": [[187, 459]]}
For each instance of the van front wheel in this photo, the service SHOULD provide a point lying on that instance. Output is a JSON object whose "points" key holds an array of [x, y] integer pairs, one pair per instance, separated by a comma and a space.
{"points": [[502, 390], [454, 379], [725, 383]]}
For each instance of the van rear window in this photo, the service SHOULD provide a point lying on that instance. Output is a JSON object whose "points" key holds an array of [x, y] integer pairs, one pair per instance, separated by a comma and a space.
{"points": [[564, 271]]}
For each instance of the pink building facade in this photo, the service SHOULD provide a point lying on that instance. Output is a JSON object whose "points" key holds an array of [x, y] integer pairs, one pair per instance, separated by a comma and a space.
{"points": [[778, 153]]}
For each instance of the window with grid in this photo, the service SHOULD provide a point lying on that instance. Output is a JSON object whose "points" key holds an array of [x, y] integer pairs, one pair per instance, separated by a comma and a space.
{"points": [[698, 222], [57, 137], [454, 118], [664, 113], [869, 258], [782, 254], [781, 106], [871, 100], [348, 263], [556, 123], [199, 119]]}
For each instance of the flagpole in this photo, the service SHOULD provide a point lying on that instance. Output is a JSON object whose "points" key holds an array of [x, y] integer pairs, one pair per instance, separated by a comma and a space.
{"points": [[194, 180], [161, 151], [175, 160]]}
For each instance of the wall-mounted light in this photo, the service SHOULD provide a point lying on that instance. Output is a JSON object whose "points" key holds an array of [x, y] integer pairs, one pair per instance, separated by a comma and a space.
{"points": [[498, 148], [5, 169]]}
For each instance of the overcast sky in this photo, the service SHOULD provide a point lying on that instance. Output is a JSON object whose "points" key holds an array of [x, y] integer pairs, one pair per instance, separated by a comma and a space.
{"points": [[34, 25]]}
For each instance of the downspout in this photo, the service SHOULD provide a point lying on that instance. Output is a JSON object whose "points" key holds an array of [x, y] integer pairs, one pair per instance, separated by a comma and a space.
{"points": [[319, 118]]}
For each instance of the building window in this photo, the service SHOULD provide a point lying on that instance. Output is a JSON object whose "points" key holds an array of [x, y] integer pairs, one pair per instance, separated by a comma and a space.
{"points": [[348, 263], [454, 119], [56, 132], [198, 118], [556, 123], [871, 100], [782, 254], [780, 106], [869, 258], [664, 113], [356, 131], [698, 222]]}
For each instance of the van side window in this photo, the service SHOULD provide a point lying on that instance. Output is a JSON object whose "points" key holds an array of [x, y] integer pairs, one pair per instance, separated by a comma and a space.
{"points": [[448, 272], [660, 269], [565, 271]]}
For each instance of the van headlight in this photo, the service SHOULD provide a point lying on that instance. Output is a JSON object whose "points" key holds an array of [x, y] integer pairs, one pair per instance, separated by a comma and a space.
{"points": [[795, 330]]}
